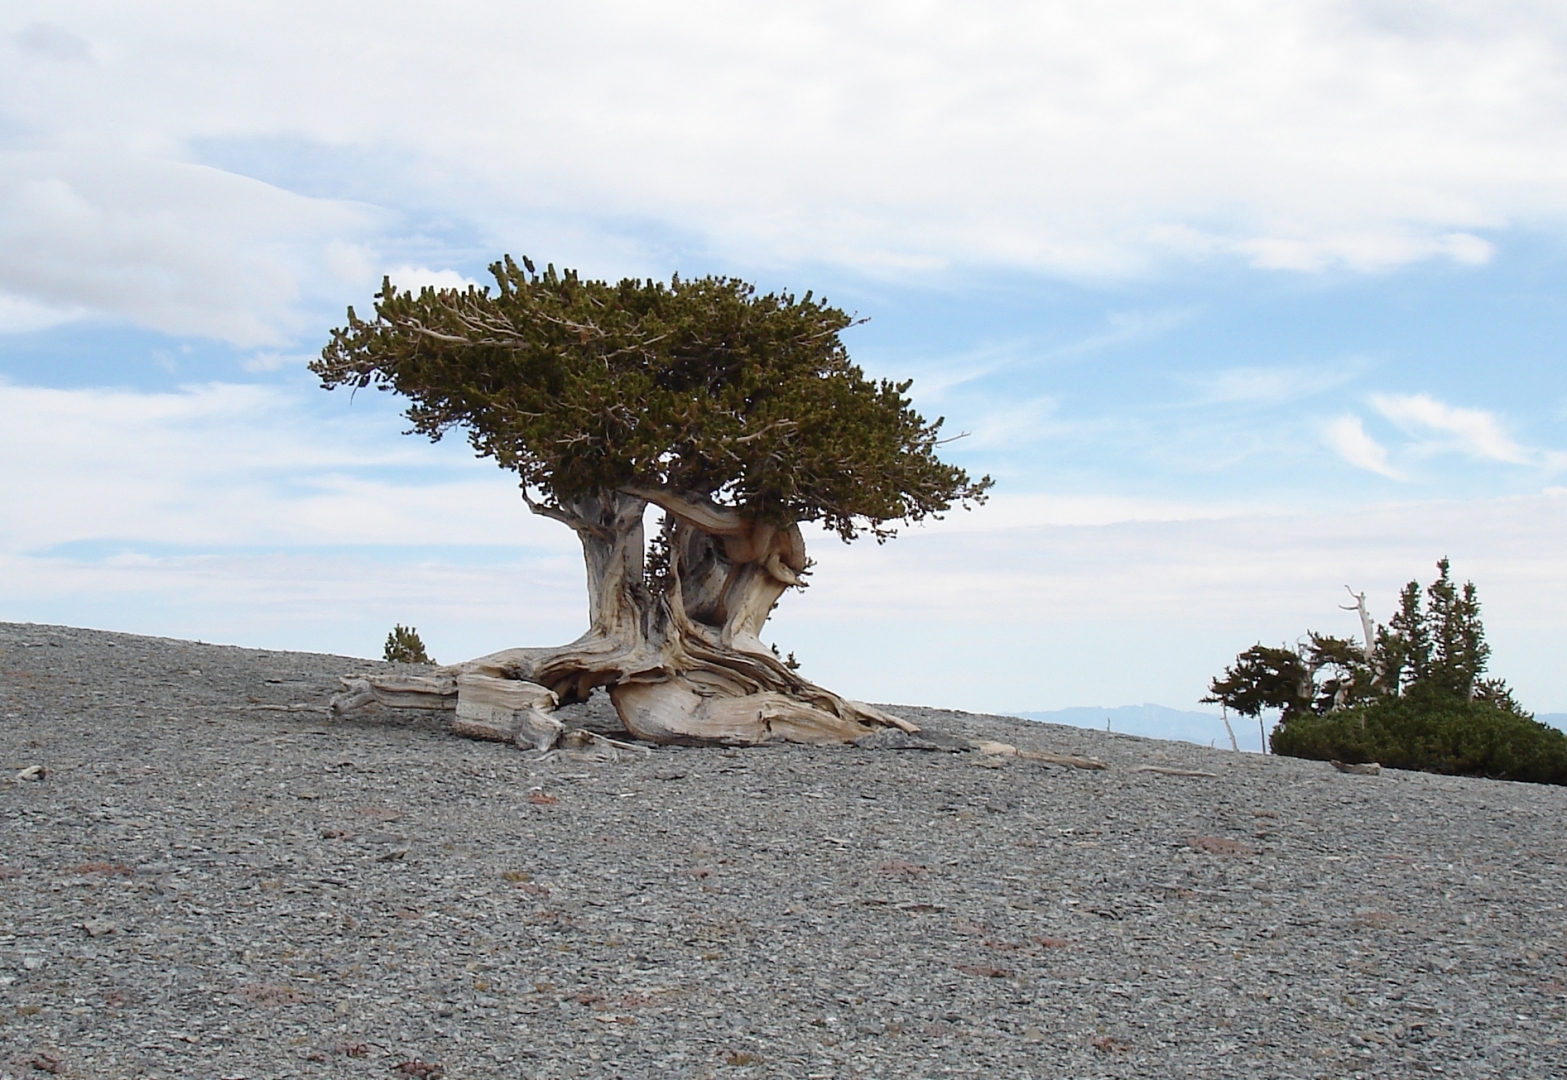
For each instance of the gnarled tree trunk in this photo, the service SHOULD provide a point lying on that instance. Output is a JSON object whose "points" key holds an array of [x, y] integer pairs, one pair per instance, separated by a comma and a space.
{"points": [[679, 649]]}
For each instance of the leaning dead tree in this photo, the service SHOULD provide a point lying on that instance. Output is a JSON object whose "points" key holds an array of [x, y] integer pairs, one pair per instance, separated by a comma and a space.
{"points": [[737, 417]]}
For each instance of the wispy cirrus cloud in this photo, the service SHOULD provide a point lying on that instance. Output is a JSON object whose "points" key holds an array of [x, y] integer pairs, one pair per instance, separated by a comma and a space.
{"points": [[1431, 427], [937, 377], [1348, 437], [1475, 432], [1016, 424], [1277, 385]]}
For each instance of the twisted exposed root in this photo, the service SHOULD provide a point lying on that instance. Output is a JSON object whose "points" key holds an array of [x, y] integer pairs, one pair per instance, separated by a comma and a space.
{"points": [[692, 691]]}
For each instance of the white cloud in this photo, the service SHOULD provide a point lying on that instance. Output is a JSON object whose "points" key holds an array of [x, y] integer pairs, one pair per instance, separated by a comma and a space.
{"points": [[51, 42], [1472, 431], [274, 361], [1012, 425], [19, 316], [414, 278], [1347, 436], [222, 466], [1365, 250], [1045, 613], [175, 247], [1273, 385], [1007, 512], [340, 603], [1072, 138]]}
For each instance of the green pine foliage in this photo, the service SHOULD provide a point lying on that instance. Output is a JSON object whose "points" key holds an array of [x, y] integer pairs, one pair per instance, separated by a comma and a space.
{"points": [[1432, 732], [700, 387], [1261, 678], [403, 646], [1420, 701]]}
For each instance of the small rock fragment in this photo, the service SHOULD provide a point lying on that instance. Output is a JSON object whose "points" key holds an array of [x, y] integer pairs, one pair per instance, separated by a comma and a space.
{"points": [[46, 1062], [267, 994], [898, 739], [1219, 845], [98, 927], [983, 971], [420, 1070], [33, 772]]}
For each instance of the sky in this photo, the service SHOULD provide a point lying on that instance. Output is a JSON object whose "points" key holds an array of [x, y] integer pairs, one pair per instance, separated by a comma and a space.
{"points": [[1239, 304]]}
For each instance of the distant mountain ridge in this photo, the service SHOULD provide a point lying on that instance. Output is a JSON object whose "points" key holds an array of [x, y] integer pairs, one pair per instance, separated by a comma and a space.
{"points": [[1163, 722], [1156, 722]]}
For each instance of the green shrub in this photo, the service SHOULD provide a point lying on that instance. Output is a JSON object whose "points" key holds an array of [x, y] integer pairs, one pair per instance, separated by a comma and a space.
{"points": [[1412, 696], [404, 647], [1431, 733]]}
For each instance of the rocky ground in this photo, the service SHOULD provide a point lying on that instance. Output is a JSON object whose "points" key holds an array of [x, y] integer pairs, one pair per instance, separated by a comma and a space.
{"points": [[207, 876]]}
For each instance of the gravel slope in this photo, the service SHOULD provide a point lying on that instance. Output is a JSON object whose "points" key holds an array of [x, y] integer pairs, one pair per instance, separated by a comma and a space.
{"points": [[202, 886]]}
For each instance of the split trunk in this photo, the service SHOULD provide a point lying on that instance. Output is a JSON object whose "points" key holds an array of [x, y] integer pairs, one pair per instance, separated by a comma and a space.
{"points": [[677, 643]]}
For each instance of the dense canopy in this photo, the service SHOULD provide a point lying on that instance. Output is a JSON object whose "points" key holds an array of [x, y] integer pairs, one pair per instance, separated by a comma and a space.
{"points": [[700, 388]]}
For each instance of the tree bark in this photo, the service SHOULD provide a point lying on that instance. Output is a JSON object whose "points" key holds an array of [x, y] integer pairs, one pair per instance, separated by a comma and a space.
{"points": [[679, 650]]}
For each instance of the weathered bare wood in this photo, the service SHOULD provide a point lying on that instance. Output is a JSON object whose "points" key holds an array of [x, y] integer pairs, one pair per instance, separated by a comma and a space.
{"points": [[1368, 626], [506, 710], [396, 691], [676, 711], [1001, 749], [680, 653]]}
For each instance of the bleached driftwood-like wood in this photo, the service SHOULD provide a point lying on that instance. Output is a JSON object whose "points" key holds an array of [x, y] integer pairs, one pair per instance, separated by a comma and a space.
{"points": [[1368, 625], [397, 691], [674, 711], [1224, 714], [506, 710], [679, 651], [1001, 749]]}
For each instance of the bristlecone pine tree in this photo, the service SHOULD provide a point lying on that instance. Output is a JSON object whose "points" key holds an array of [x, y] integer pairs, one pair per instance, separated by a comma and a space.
{"points": [[739, 416]]}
